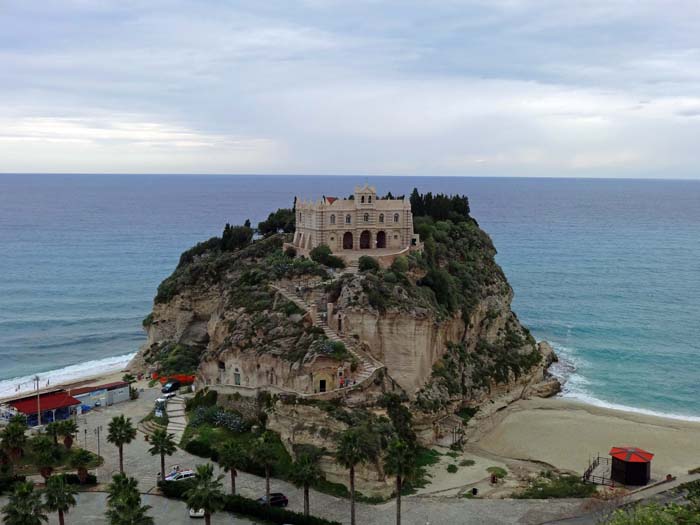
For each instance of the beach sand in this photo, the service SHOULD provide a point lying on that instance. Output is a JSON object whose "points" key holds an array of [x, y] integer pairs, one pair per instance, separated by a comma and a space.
{"points": [[566, 434]]}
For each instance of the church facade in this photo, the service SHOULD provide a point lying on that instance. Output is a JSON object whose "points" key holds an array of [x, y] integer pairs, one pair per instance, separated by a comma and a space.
{"points": [[363, 223]]}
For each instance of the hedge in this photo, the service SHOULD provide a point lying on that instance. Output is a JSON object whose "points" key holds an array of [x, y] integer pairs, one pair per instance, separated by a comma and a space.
{"points": [[7, 482], [247, 506], [73, 479]]}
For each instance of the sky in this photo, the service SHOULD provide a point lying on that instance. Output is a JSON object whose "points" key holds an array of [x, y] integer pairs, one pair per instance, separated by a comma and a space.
{"points": [[584, 88]]}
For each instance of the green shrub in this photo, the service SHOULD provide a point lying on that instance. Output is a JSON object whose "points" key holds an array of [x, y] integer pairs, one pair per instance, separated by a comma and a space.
{"points": [[148, 320], [322, 255], [73, 479], [565, 486], [390, 277], [451, 468], [236, 237], [200, 448], [203, 398], [400, 265], [498, 471], [467, 463], [290, 251], [367, 264]]}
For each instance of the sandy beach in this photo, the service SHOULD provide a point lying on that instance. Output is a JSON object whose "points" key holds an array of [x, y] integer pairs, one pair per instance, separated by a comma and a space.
{"points": [[565, 434]]}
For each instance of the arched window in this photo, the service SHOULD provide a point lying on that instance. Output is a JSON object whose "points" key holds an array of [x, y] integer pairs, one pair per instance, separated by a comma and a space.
{"points": [[362, 199], [369, 199], [332, 219], [300, 216], [381, 217], [396, 217], [366, 217], [347, 219]]}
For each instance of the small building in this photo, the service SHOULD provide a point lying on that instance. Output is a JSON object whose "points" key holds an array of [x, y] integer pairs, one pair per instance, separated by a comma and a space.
{"points": [[53, 406], [102, 395], [630, 465]]}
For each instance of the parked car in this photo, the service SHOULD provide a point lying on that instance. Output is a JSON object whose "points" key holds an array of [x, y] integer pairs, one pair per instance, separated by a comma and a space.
{"points": [[171, 386], [182, 475], [196, 513], [277, 499]]}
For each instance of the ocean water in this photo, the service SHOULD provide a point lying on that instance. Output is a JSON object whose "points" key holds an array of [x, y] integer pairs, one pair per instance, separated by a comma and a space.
{"points": [[607, 270]]}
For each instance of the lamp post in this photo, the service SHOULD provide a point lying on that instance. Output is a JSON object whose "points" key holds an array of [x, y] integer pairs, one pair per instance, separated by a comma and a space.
{"points": [[98, 429], [38, 401]]}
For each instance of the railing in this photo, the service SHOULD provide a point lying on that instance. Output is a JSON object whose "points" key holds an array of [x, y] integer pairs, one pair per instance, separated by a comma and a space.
{"points": [[589, 477]]}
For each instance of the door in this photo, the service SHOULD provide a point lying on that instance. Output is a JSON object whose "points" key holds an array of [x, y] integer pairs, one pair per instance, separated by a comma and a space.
{"points": [[322, 385], [347, 241], [381, 240], [364, 240]]}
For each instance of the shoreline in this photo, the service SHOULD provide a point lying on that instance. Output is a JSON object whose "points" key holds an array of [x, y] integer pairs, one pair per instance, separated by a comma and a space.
{"points": [[567, 434]]}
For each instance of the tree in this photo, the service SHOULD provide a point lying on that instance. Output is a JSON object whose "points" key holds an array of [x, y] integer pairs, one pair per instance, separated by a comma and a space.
{"points": [[46, 454], [206, 493], [121, 432], [400, 462], [305, 472], [163, 445], [60, 496], [265, 455], [13, 439], [80, 460], [24, 506], [68, 429], [53, 429], [352, 451], [236, 237], [231, 458], [124, 503], [129, 378]]}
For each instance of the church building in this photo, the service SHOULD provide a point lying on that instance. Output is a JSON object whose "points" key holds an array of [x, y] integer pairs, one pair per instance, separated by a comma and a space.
{"points": [[362, 223]]}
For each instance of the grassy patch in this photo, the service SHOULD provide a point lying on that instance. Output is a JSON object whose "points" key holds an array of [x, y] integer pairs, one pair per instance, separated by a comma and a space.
{"points": [[498, 471], [550, 486]]}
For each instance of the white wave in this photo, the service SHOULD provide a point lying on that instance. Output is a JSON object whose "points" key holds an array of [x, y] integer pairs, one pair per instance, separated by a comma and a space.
{"points": [[574, 386], [24, 384]]}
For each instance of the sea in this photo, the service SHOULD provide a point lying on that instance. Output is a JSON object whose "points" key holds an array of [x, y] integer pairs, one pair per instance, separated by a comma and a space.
{"points": [[608, 271]]}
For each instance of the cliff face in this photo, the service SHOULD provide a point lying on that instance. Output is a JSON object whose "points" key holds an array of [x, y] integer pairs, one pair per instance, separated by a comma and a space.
{"points": [[439, 322]]}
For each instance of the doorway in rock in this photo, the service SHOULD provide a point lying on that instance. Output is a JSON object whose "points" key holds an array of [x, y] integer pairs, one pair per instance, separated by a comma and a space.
{"points": [[364, 240], [347, 241], [322, 385], [381, 240]]}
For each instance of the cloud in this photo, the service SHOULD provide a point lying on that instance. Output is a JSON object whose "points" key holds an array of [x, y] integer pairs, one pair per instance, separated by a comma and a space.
{"points": [[473, 87]]}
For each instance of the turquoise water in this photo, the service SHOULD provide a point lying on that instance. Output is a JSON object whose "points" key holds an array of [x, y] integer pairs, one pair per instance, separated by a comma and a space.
{"points": [[607, 270]]}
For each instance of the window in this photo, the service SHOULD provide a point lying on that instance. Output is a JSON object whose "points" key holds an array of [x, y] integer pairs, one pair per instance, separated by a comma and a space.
{"points": [[369, 199], [332, 219], [396, 217], [237, 378], [362, 199], [347, 219], [366, 217], [300, 217], [381, 217]]}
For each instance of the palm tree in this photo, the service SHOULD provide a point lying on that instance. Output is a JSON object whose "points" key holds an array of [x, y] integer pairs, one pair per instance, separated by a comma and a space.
{"points": [[264, 454], [24, 506], [124, 503], [13, 439], [352, 451], [53, 429], [68, 428], [206, 493], [80, 460], [121, 432], [46, 454], [60, 496], [400, 462], [305, 472], [163, 445], [231, 458]]}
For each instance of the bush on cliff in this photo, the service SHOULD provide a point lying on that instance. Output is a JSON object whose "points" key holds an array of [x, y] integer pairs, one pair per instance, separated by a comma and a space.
{"points": [[322, 255], [282, 220], [367, 264]]}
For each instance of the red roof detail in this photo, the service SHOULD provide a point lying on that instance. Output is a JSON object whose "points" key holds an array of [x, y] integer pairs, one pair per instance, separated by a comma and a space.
{"points": [[331, 200], [108, 386], [631, 454], [50, 401]]}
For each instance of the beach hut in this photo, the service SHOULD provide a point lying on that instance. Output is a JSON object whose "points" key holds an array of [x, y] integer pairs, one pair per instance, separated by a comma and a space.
{"points": [[631, 465]]}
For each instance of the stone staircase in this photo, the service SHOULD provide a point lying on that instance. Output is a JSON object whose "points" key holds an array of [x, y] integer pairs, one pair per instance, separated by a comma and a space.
{"points": [[177, 420], [367, 365]]}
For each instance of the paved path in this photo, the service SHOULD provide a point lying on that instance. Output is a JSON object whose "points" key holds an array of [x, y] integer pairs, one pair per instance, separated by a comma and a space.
{"points": [[417, 510]]}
